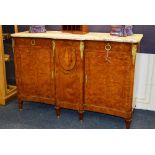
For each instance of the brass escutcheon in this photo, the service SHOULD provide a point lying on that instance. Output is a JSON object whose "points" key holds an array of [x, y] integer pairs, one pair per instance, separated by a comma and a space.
{"points": [[33, 42], [108, 47]]}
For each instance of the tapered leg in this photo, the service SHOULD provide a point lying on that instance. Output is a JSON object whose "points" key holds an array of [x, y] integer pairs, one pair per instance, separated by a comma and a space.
{"points": [[20, 104], [57, 109], [81, 115], [128, 123]]}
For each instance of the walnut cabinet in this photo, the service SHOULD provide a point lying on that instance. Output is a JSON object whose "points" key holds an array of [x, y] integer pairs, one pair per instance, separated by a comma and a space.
{"points": [[80, 75]]}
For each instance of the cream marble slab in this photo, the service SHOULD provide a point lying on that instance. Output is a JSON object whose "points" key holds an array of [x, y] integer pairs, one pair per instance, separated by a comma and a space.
{"points": [[135, 38]]}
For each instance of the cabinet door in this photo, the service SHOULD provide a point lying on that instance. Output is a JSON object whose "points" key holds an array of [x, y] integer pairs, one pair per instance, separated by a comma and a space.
{"points": [[69, 75], [108, 86], [34, 70]]}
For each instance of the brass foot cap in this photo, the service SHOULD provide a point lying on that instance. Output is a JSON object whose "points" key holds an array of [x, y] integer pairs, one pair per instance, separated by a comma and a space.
{"points": [[58, 117], [81, 121]]}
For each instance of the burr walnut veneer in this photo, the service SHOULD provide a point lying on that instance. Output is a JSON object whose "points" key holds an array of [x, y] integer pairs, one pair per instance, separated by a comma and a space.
{"points": [[86, 74]]}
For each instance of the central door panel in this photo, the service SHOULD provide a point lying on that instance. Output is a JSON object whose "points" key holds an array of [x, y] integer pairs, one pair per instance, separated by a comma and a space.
{"points": [[69, 75]]}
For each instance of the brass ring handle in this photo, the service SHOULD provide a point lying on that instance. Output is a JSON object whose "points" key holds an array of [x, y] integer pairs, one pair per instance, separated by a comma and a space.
{"points": [[108, 47], [33, 42]]}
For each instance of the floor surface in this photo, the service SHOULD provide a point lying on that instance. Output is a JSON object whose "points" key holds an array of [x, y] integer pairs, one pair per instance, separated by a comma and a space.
{"points": [[42, 116]]}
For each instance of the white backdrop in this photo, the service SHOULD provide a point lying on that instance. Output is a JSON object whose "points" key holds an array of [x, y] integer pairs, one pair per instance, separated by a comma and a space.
{"points": [[144, 87]]}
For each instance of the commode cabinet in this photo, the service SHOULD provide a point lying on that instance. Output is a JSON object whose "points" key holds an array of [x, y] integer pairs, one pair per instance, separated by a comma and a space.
{"points": [[91, 72]]}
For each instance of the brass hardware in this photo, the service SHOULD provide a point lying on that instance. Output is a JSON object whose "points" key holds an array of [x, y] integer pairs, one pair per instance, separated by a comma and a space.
{"points": [[81, 48], [58, 117], [108, 59], [86, 78], [53, 45], [134, 51], [52, 74], [53, 50], [13, 43], [108, 47], [33, 42]]}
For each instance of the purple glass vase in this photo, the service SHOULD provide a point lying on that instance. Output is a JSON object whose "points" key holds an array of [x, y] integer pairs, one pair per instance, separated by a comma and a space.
{"points": [[121, 30], [128, 30], [37, 29]]}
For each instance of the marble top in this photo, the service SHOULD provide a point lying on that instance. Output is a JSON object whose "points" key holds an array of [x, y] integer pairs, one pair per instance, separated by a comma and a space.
{"points": [[135, 38]]}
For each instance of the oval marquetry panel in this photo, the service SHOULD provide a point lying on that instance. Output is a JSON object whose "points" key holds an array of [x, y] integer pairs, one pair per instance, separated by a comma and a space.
{"points": [[67, 59]]}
